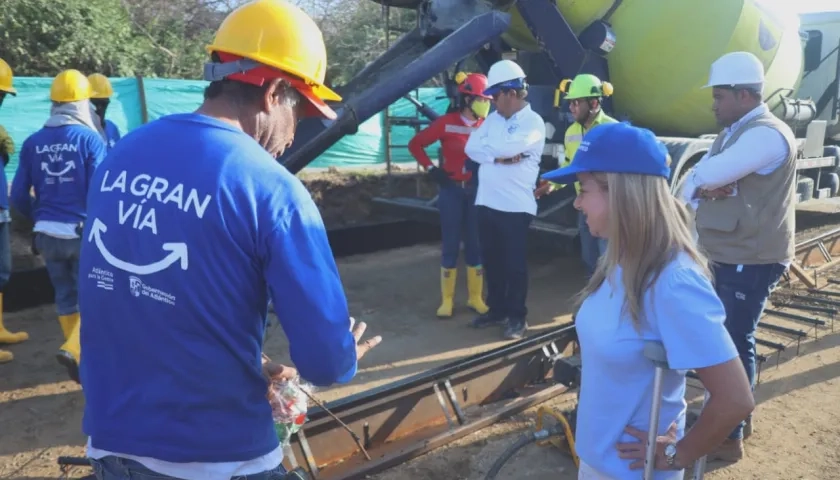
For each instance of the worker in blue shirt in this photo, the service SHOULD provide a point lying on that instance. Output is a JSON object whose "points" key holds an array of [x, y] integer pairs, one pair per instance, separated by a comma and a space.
{"points": [[58, 161], [193, 226], [652, 284], [7, 148], [101, 98]]}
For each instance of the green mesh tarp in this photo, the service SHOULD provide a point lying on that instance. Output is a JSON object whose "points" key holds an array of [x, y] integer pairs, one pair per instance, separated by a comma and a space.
{"points": [[26, 113]]}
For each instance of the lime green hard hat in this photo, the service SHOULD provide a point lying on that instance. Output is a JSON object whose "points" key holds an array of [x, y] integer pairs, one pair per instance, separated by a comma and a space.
{"points": [[588, 86]]}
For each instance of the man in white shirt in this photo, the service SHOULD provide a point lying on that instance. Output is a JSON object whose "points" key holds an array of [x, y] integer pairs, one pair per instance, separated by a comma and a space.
{"points": [[743, 191], [507, 148]]}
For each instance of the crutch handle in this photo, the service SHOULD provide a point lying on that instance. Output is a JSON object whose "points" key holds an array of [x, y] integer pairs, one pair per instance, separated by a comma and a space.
{"points": [[655, 352]]}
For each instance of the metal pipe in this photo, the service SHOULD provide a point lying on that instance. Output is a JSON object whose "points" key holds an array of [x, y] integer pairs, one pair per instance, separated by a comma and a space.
{"points": [[421, 107], [315, 137]]}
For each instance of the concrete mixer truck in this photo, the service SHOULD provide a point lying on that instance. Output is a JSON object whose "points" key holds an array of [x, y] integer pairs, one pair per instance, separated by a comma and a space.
{"points": [[656, 54]]}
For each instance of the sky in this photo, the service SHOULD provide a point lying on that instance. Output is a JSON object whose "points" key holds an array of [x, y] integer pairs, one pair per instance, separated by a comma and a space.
{"points": [[806, 6]]}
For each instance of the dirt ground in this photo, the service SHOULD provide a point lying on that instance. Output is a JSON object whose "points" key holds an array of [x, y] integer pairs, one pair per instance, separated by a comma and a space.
{"points": [[797, 426]]}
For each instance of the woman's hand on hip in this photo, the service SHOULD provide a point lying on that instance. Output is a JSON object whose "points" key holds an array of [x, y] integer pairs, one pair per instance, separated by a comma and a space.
{"points": [[636, 450]]}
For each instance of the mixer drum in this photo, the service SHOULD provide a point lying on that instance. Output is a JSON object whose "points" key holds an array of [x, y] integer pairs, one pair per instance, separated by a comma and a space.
{"points": [[664, 50]]}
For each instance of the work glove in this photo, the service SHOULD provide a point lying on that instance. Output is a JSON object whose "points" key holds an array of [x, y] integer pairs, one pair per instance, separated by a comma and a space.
{"points": [[440, 176]]}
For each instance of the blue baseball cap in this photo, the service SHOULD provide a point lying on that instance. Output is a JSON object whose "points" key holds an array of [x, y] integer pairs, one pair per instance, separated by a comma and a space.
{"points": [[616, 148]]}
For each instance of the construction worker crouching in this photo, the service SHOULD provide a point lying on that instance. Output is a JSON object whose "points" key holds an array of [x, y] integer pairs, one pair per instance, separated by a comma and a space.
{"points": [[744, 194], [193, 226], [57, 162], [7, 148], [584, 95], [508, 147], [101, 98], [457, 190]]}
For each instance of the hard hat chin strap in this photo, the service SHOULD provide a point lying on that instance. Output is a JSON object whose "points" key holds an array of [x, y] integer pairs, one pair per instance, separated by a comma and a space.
{"points": [[214, 72]]}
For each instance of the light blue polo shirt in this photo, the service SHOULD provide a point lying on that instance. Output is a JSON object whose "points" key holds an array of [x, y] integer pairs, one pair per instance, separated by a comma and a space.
{"points": [[685, 314]]}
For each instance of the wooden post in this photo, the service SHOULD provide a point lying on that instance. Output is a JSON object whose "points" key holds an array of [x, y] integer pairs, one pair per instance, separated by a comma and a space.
{"points": [[141, 90]]}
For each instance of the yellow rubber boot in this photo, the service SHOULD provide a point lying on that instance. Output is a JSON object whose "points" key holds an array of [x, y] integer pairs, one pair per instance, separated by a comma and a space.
{"points": [[447, 291], [6, 356], [7, 336], [68, 323], [475, 286], [70, 353]]}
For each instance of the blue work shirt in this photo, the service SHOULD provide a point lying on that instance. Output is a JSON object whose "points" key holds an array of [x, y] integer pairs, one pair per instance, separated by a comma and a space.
{"points": [[192, 227], [113, 133], [683, 313], [58, 162], [4, 189]]}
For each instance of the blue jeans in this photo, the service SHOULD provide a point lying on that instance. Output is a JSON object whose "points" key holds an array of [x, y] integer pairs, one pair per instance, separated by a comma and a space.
{"points": [[591, 247], [61, 257], [5, 254], [743, 290], [116, 468], [458, 222], [504, 248]]}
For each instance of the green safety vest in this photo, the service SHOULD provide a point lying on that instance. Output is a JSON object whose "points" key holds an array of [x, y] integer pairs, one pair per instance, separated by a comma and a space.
{"points": [[574, 135]]}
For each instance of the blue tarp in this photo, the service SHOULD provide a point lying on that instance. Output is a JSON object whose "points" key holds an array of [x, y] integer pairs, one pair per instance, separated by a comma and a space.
{"points": [[26, 113]]}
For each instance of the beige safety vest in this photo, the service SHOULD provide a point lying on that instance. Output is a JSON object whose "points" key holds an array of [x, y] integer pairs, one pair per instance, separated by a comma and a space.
{"points": [[757, 225]]}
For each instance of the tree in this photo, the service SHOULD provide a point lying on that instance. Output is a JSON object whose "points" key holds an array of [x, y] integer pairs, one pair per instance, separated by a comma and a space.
{"points": [[167, 38]]}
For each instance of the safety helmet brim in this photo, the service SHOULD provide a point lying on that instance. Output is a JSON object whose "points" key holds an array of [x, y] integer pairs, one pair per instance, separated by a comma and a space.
{"points": [[514, 84], [577, 96], [471, 93], [9, 90], [316, 97]]}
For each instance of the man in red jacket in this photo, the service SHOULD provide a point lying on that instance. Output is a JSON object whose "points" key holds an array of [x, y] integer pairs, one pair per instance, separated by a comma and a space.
{"points": [[457, 178]]}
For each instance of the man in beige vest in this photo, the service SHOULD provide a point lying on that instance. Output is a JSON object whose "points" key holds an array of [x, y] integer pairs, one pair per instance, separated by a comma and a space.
{"points": [[743, 191]]}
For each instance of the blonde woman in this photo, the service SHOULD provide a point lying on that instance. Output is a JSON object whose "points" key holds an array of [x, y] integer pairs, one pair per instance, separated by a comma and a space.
{"points": [[652, 284]]}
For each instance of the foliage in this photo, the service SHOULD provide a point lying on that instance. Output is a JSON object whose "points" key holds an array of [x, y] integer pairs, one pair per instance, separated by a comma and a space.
{"points": [[167, 38]]}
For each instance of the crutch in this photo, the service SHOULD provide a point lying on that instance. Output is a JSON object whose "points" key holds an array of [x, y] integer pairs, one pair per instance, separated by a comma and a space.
{"points": [[655, 352]]}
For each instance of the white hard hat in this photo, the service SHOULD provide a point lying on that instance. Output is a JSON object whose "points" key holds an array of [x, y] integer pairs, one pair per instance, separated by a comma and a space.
{"points": [[737, 68], [504, 72]]}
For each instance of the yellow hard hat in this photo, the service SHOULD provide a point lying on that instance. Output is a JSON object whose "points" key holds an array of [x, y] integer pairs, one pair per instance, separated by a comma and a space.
{"points": [[100, 85], [281, 41], [70, 86], [6, 78]]}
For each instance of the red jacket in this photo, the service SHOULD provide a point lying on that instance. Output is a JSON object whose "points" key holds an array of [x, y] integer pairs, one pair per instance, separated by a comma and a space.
{"points": [[453, 133]]}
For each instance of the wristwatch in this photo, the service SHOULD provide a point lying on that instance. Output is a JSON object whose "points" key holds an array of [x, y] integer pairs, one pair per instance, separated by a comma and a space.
{"points": [[671, 454]]}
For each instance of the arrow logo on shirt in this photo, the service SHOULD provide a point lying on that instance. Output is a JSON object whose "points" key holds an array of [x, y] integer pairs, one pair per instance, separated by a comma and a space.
{"points": [[177, 251], [68, 165]]}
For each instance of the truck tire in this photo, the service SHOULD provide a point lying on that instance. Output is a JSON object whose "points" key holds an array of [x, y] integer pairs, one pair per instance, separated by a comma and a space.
{"points": [[805, 188], [684, 153], [830, 181]]}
